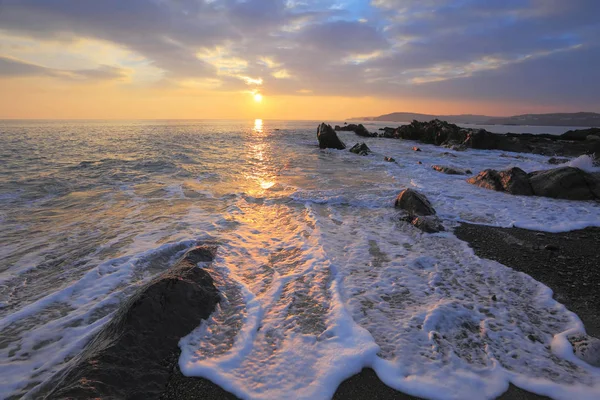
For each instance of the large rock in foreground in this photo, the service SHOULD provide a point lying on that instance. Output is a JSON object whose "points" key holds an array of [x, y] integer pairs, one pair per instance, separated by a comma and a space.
{"points": [[134, 354], [565, 183], [560, 183], [328, 139]]}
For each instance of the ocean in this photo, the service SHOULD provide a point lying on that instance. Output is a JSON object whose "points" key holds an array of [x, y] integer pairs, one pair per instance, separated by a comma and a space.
{"points": [[318, 275]]}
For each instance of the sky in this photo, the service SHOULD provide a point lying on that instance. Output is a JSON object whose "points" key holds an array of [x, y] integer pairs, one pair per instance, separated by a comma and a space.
{"points": [[308, 59]]}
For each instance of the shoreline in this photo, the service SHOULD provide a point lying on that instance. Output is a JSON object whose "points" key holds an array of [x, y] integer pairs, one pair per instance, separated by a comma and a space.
{"points": [[566, 262]]}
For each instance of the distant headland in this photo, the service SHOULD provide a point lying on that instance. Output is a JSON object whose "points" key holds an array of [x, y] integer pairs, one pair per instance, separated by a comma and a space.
{"points": [[587, 119]]}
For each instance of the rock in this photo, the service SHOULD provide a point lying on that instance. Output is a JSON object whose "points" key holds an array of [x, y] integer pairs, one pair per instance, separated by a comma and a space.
{"points": [[388, 132], [487, 179], [449, 154], [580, 134], [328, 139], [449, 170], [593, 137], [133, 355], [388, 159], [586, 348], [360, 149], [419, 162], [551, 247], [416, 148], [556, 161], [415, 203], [359, 129], [565, 183], [561, 183], [429, 224], [515, 181]]}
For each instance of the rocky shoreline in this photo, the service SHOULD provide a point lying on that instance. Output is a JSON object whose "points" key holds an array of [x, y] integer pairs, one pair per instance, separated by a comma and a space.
{"points": [[442, 133]]}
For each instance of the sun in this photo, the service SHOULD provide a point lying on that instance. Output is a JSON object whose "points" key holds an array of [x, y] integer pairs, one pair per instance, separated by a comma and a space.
{"points": [[258, 97]]}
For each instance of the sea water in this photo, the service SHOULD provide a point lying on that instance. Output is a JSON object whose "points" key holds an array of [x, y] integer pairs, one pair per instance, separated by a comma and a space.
{"points": [[318, 275]]}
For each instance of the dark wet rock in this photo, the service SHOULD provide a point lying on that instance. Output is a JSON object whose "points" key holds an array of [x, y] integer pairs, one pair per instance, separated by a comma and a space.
{"points": [[551, 247], [419, 162], [557, 161], [442, 133], [580, 134], [361, 149], [388, 132], [359, 129], [328, 139], [450, 170], [565, 183], [134, 354], [447, 154], [593, 137], [415, 203], [428, 224], [416, 148], [560, 183], [389, 159], [586, 348], [513, 181]]}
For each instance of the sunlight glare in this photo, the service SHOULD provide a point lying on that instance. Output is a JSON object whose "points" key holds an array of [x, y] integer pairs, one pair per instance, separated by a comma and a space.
{"points": [[258, 97], [258, 125]]}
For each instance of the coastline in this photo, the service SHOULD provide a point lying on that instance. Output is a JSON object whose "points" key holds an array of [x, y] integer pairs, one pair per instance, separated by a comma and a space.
{"points": [[566, 262]]}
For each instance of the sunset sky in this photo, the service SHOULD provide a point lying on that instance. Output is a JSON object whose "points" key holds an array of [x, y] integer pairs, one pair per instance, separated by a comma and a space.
{"points": [[308, 59]]}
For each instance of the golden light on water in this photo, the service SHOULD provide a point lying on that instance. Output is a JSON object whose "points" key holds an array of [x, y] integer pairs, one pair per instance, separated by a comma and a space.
{"points": [[258, 125]]}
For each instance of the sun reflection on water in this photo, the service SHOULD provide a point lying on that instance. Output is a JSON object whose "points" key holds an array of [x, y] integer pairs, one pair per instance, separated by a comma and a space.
{"points": [[258, 125]]}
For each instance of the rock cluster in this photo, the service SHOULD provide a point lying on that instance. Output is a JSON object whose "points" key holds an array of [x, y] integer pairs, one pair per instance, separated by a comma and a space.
{"points": [[560, 183], [441, 133], [420, 211]]}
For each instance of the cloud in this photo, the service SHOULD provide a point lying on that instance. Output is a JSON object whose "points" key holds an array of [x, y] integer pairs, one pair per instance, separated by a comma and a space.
{"points": [[11, 67], [390, 48]]}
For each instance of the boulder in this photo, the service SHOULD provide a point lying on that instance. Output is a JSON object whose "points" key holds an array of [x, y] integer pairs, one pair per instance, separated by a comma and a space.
{"points": [[560, 183], [586, 348], [429, 224], [415, 203], [359, 129], [388, 132], [565, 183], [133, 355], [515, 181], [388, 159], [415, 148], [361, 149], [328, 139], [487, 179], [450, 170], [580, 134]]}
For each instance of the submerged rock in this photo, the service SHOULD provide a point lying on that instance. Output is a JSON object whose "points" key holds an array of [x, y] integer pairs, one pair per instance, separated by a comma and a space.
{"points": [[389, 159], [361, 149], [415, 148], [134, 354], [429, 224], [560, 183], [586, 348], [415, 203], [450, 170], [328, 139], [556, 161]]}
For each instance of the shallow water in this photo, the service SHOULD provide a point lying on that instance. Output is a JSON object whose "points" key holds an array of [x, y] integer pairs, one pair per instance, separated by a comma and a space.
{"points": [[319, 278]]}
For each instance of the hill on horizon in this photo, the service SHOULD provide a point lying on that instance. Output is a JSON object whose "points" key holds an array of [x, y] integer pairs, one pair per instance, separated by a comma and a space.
{"points": [[579, 119]]}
